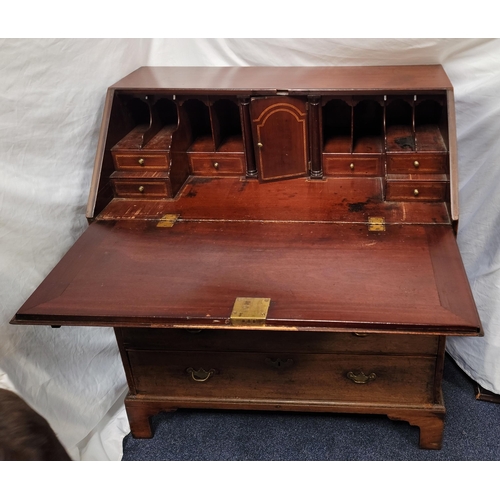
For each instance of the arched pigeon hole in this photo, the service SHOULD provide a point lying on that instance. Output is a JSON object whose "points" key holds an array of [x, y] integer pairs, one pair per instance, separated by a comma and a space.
{"points": [[368, 129], [138, 111], [430, 126], [198, 116], [399, 125], [337, 126], [167, 111], [226, 125]]}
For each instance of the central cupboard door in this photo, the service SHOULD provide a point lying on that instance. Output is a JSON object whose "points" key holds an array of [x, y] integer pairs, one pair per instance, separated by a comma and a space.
{"points": [[280, 137]]}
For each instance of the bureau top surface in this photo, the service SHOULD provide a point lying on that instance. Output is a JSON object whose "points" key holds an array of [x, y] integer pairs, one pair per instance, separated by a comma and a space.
{"points": [[290, 79]]}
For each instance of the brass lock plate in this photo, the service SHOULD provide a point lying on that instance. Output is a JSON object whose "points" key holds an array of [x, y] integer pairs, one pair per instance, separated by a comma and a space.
{"points": [[250, 311]]}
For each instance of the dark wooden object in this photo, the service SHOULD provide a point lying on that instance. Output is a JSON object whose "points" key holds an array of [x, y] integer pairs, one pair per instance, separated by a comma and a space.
{"points": [[483, 394], [329, 192]]}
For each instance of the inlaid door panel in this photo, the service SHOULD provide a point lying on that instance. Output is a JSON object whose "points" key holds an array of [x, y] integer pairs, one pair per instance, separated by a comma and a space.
{"points": [[280, 137]]}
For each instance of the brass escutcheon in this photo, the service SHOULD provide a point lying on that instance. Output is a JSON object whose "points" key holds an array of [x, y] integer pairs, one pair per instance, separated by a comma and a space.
{"points": [[360, 377], [250, 311], [279, 363], [200, 375]]}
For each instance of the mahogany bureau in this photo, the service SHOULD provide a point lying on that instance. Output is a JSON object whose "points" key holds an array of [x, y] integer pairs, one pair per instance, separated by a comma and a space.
{"points": [[273, 239]]}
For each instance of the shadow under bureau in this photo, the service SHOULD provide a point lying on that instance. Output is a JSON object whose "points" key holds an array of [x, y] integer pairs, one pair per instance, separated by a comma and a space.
{"points": [[273, 239]]}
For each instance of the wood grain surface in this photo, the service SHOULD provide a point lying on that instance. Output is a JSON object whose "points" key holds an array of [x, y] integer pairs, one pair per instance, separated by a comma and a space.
{"points": [[317, 275]]}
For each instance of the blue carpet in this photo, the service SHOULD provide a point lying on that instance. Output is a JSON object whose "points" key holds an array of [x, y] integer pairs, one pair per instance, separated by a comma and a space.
{"points": [[472, 432]]}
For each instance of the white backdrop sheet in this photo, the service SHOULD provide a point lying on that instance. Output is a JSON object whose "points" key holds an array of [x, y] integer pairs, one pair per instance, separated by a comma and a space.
{"points": [[51, 100]]}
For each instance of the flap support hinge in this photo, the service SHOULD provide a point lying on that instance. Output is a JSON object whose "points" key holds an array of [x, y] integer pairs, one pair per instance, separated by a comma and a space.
{"points": [[376, 224], [168, 220]]}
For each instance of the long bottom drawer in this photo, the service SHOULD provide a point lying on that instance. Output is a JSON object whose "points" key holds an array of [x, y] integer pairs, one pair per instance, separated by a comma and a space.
{"points": [[284, 377]]}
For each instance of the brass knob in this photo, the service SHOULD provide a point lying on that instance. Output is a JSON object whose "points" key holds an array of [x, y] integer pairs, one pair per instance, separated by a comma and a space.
{"points": [[141, 161], [260, 144], [415, 192], [351, 166], [216, 165], [416, 164], [141, 189]]}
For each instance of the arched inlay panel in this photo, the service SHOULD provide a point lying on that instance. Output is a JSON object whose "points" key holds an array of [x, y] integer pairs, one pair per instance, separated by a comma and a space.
{"points": [[280, 137]]}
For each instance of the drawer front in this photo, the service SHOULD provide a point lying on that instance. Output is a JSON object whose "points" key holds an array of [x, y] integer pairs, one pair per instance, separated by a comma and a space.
{"points": [[275, 341], [352, 165], [418, 163], [283, 377], [416, 191], [127, 161], [217, 165], [141, 189]]}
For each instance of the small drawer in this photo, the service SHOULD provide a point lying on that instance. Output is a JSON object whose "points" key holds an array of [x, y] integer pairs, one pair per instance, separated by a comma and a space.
{"points": [[127, 161], [184, 339], [352, 165], [416, 163], [217, 165], [416, 191], [281, 377], [141, 189]]}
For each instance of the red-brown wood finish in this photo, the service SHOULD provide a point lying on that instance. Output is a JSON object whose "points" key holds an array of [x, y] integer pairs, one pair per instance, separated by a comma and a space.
{"points": [[336, 276], [269, 80], [330, 191], [280, 136]]}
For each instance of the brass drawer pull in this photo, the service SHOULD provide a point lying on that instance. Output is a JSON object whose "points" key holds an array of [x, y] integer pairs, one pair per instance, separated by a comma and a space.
{"points": [[279, 363], [351, 166], [216, 165], [200, 375], [360, 377], [141, 161], [141, 189], [415, 192], [416, 164]]}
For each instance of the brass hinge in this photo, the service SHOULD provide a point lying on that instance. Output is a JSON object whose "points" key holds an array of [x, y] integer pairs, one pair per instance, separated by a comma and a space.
{"points": [[376, 224], [249, 311], [168, 220]]}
